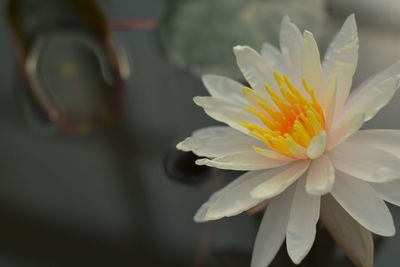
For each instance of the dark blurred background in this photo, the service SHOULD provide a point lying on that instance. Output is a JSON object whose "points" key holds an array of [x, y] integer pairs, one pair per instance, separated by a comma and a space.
{"points": [[119, 194]]}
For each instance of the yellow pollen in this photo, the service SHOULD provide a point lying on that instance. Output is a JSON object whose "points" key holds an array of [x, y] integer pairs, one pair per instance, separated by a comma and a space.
{"points": [[291, 119]]}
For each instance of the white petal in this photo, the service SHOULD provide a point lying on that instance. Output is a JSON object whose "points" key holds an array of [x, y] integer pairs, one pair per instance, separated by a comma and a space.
{"points": [[360, 200], [345, 129], [233, 198], [340, 61], [272, 154], [317, 146], [304, 215], [330, 102], [242, 161], [272, 230], [278, 183], [373, 94], [218, 141], [321, 176], [388, 140], [290, 40], [311, 65], [227, 112], [224, 88], [389, 192], [254, 68], [355, 241], [366, 163], [273, 57]]}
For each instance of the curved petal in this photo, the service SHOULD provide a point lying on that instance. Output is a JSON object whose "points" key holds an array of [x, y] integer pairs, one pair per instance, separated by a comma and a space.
{"points": [[311, 69], [273, 57], [344, 130], [321, 176], [389, 192], [367, 163], [217, 141], [361, 201], [233, 198], [227, 112], [388, 140], [355, 240], [272, 230], [278, 183], [290, 40], [340, 61], [243, 161], [224, 88], [317, 145], [254, 68], [373, 94], [269, 153], [304, 215]]}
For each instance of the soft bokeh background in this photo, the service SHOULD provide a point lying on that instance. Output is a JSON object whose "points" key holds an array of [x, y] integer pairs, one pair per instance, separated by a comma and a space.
{"points": [[104, 199]]}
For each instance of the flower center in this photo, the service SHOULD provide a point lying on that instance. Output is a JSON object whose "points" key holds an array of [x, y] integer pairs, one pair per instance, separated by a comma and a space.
{"points": [[291, 119]]}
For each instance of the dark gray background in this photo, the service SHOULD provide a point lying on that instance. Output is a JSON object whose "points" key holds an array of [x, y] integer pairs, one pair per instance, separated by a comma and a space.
{"points": [[104, 199]]}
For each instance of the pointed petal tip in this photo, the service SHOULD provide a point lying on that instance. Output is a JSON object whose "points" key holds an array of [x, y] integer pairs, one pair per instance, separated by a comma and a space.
{"points": [[180, 145], [198, 218], [298, 258], [308, 35], [351, 19], [203, 214], [285, 20], [388, 231], [297, 254], [205, 77], [239, 48], [201, 101], [202, 162], [186, 145], [197, 100]]}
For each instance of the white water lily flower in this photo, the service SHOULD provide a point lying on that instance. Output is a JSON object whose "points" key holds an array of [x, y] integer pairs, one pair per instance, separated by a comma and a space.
{"points": [[296, 132]]}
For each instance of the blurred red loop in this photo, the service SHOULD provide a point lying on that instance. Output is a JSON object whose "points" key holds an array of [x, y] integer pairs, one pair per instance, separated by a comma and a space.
{"points": [[133, 24]]}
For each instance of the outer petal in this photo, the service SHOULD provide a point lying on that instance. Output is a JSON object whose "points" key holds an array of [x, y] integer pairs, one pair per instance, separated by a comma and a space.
{"points": [[227, 112], [273, 57], [321, 176], [366, 163], [218, 141], [355, 240], [340, 61], [361, 201], [243, 161], [254, 68], [233, 198], [389, 192], [372, 94], [388, 140], [224, 88], [272, 230], [311, 65], [278, 183], [290, 42], [304, 215]]}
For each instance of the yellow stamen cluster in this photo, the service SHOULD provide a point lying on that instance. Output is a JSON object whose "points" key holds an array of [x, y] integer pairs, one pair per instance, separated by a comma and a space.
{"points": [[291, 121]]}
